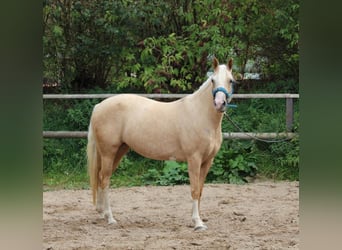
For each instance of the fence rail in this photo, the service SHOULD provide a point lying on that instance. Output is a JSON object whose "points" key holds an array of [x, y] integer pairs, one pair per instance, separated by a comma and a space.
{"points": [[164, 96], [233, 135]]}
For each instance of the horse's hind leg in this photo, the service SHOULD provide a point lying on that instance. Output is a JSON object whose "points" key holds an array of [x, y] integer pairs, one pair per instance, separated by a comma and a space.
{"points": [[103, 204], [108, 166], [99, 196], [123, 149]]}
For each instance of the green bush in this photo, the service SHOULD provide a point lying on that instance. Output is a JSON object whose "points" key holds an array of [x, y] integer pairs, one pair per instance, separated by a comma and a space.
{"points": [[65, 155], [285, 156], [173, 173], [164, 45], [233, 163]]}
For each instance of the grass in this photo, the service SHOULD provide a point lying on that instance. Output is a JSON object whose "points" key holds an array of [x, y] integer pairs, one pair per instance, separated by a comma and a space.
{"points": [[128, 174], [80, 180], [124, 177], [60, 180]]}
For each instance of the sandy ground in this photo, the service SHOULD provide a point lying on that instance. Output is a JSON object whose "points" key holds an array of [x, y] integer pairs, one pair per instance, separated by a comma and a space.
{"points": [[262, 215]]}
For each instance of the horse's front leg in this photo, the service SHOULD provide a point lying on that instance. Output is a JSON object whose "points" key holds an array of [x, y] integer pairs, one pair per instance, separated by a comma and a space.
{"points": [[194, 167]]}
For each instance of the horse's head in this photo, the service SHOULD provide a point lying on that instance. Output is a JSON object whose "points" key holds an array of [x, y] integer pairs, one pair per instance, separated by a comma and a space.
{"points": [[222, 84]]}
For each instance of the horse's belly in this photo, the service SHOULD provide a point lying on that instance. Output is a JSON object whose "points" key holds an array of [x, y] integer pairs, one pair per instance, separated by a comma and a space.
{"points": [[158, 152], [155, 146]]}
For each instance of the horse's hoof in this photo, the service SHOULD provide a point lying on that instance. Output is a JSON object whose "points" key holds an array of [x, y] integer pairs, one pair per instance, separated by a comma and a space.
{"points": [[102, 216], [200, 228], [110, 222]]}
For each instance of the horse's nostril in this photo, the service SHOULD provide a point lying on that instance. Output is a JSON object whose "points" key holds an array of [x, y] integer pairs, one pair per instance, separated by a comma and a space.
{"points": [[224, 103]]}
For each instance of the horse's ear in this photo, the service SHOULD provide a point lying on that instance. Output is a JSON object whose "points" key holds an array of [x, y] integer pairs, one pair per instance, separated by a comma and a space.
{"points": [[230, 64], [215, 63]]}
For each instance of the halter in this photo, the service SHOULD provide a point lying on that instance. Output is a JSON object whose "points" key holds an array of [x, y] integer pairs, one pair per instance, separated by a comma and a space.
{"points": [[222, 89]]}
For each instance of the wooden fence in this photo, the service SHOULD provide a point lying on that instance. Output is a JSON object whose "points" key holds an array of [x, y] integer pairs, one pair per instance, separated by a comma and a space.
{"points": [[234, 135]]}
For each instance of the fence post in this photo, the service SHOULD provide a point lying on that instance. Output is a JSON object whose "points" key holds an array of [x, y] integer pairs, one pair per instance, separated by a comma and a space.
{"points": [[289, 114]]}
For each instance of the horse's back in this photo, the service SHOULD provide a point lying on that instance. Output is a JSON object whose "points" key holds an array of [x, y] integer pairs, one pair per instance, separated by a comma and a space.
{"points": [[132, 102]]}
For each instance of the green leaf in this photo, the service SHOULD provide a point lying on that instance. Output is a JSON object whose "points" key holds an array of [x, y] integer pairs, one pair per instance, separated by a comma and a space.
{"points": [[57, 30]]}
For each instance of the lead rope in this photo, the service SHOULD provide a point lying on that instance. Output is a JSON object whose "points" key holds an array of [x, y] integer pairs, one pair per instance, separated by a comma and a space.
{"points": [[251, 136]]}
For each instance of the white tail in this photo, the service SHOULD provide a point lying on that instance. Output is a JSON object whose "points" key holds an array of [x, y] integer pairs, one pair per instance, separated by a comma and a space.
{"points": [[93, 168]]}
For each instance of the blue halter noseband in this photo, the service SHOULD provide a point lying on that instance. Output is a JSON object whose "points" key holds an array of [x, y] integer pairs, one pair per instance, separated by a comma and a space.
{"points": [[228, 95], [222, 89]]}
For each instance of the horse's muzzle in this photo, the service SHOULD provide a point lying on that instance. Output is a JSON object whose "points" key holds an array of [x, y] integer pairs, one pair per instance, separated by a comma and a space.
{"points": [[220, 106]]}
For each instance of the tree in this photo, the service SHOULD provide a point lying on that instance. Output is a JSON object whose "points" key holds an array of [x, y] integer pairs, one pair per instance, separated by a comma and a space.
{"points": [[165, 46]]}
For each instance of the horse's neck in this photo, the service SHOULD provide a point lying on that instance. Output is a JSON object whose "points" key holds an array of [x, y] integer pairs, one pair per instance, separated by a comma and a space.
{"points": [[203, 101]]}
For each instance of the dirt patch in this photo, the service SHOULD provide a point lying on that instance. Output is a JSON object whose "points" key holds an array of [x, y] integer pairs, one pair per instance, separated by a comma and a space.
{"points": [[261, 215]]}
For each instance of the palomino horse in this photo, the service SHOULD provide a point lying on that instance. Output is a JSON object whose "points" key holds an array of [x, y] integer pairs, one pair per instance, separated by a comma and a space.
{"points": [[188, 129]]}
